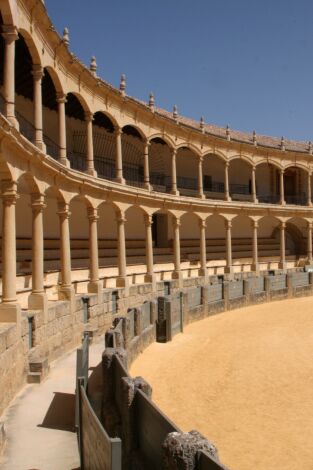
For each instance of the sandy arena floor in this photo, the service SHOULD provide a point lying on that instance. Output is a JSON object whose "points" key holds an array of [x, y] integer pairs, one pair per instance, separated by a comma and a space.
{"points": [[244, 379]]}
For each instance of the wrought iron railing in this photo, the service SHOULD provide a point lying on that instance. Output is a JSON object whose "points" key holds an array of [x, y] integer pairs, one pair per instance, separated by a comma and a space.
{"points": [[77, 161], [52, 148], [187, 183], [236, 188], [268, 198], [27, 129], [297, 199]]}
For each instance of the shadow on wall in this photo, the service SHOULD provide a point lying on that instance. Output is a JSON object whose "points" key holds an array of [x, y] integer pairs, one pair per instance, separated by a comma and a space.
{"points": [[61, 413]]}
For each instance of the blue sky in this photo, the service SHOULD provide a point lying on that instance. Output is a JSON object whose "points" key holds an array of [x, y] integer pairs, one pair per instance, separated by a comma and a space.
{"points": [[246, 63]]}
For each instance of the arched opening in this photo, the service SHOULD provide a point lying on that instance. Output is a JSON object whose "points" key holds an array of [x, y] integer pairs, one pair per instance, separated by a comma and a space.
{"points": [[104, 143], [187, 172], [135, 240], [216, 244], [190, 242], [24, 88], [267, 183], [107, 241], [50, 119], [295, 185], [133, 155], [240, 185], [269, 242], [51, 230], [160, 165], [76, 138], [295, 238], [242, 240], [213, 176]]}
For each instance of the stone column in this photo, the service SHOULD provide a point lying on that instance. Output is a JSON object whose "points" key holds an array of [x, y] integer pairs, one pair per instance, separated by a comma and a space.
{"points": [[229, 260], [255, 259], [177, 274], [37, 299], [66, 290], [61, 100], [174, 175], [10, 35], [310, 260], [253, 186], [119, 159], [94, 285], [226, 183], [90, 155], [122, 280], [200, 178], [150, 277], [309, 189], [203, 269], [282, 262], [9, 308], [282, 189], [146, 166], [37, 76]]}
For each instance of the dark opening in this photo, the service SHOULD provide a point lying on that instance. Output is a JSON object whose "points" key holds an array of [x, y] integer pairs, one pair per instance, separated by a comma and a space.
{"points": [[49, 95], [23, 69], [101, 120]]}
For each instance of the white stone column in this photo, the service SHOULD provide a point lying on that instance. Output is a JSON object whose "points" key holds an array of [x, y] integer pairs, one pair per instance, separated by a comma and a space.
{"points": [[226, 183], [37, 77], [309, 203], [282, 188], [200, 178], [309, 240], [203, 269], [229, 256], [255, 259], [173, 174], [94, 285], [37, 300], [253, 186], [150, 276], [146, 171], [282, 262], [61, 100], [90, 155], [177, 274], [66, 290], [10, 35], [9, 308], [119, 157], [122, 280]]}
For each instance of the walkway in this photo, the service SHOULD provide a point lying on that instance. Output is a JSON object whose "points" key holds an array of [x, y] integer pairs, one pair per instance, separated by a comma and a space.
{"points": [[39, 421]]}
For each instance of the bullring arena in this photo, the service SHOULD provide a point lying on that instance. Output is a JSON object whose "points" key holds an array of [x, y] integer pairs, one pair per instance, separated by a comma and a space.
{"points": [[128, 229]]}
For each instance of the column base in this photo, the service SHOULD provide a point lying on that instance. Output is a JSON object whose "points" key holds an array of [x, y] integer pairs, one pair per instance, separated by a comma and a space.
{"points": [[282, 203], [64, 161], [122, 282], [38, 301], [203, 272], [148, 186], [41, 145], [92, 172], [175, 192], [201, 196], [228, 269], [10, 312], [255, 268], [12, 120], [255, 200], [227, 198], [95, 287], [282, 265], [152, 279], [178, 275], [67, 293], [120, 180]]}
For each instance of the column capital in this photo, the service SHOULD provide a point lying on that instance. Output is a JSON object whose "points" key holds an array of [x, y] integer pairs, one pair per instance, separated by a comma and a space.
{"points": [[38, 202], [88, 116], [176, 222], [282, 225], [253, 167], [310, 224], [226, 164], [118, 130], [92, 214], [281, 171], [228, 224], [148, 220], [63, 210], [255, 223], [9, 33], [202, 223], [174, 152], [121, 219], [147, 143], [61, 97], [37, 72], [200, 159], [9, 192]]}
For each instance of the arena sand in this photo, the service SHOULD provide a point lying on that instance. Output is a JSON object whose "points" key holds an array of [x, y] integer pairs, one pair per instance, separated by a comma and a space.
{"points": [[244, 379]]}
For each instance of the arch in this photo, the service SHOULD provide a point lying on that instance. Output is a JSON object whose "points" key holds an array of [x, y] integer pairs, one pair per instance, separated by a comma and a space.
{"points": [[28, 182], [296, 165], [36, 59], [81, 101], [137, 129], [213, 171], [108, 116], [216, 153], [244, 158], [167, 140], [190, 147], [85, 199], [267, 183], [55, 192], [55, 79], [187, 174], [269, 161], [240, 178]]}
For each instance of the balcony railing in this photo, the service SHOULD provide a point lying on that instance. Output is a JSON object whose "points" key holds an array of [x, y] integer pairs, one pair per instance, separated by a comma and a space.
{"points": [[236, 188], [268, 198], [297, 199]]}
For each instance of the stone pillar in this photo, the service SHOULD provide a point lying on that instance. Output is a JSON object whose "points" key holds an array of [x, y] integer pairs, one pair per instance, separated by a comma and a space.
{"points": [[200, 178], [94, 285], [90, 156], [310, 260], [177, 274], [226, 183], [282, 262], [255, 260], [119, 159], [66, 290], [122, 280], [150, 276], [203, 269], [38, 298], [229, 260], [10, 35], [309, 189], [37, 76], [253, 186], [174, 175], [282, 189], [61, 100], [9, 308], [146, 166]]}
